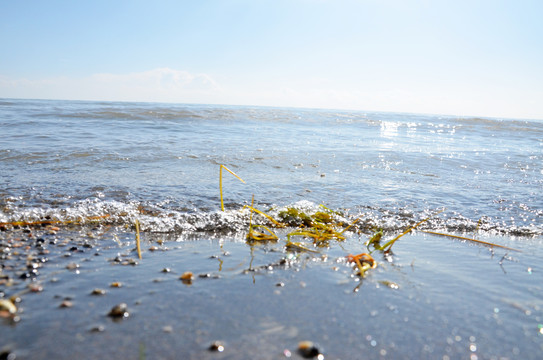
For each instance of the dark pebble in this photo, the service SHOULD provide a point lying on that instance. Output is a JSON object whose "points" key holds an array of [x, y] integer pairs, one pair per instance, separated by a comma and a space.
{"points": [[308, 349], [29, 274], [98, 292], [7, 355], [98, 328], [119, 311], [32, 265], [217, 346]]}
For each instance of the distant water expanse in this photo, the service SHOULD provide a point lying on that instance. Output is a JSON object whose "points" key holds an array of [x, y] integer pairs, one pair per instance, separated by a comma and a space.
{"points": [[70, 159]]}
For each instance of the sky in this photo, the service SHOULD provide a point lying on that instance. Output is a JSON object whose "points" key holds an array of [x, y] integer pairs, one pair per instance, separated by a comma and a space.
{"points": [[460, 57]]}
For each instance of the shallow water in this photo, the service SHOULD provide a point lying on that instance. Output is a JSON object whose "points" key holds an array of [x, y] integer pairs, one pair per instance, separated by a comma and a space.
{"points": [[68, 159], [436, 298], [91, 169]]}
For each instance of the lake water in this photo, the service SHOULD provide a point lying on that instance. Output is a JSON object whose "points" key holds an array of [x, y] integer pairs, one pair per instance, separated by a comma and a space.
{"points": [[66, 159], [90, 169]]}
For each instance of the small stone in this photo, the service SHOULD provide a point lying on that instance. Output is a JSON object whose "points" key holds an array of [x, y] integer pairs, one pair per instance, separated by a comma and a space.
{"points": [[29, 274], [35, 287], [119, 311], [116, 284], [287, 353], [390, 284], [308, 350], [98, 292], [217, 346], [7, 306], [98, 328], [187, 277], [72, 266], [66, 304], [167, 329], [7, 354], [166, 270]]}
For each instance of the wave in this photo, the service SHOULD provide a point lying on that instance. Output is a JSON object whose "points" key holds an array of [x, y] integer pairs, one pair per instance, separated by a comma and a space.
{"points": [[154, 218]]}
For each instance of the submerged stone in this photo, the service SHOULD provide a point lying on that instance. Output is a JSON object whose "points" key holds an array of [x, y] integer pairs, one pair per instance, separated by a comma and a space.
{"points": [[308, 350], [119, 311], [217, 346]]}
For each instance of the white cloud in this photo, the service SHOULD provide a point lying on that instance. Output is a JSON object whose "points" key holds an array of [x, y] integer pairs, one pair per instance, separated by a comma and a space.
{"points": [[162, 84]]}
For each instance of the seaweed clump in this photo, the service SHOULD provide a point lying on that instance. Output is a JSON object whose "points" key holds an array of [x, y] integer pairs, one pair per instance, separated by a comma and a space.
{"points": [[323, 226]]}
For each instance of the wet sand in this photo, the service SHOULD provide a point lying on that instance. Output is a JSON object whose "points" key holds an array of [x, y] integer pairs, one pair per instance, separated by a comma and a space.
{"points": [[436, 298]]}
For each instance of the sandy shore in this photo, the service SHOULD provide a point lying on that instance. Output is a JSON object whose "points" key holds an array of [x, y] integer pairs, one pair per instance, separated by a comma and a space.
{"points": [[435, 298]]}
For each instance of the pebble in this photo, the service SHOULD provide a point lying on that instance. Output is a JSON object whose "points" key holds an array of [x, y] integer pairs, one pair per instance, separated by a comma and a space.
{"points": [[167, 329], [98, 328], [217, 346], [119, 311], [116, 284], [390, 284], [66, 304], [35, 287], [7, 354], [6, 305], [29, 274], [98, 292], [187, 277], [308, 350], [72, 266], [129, 262]]}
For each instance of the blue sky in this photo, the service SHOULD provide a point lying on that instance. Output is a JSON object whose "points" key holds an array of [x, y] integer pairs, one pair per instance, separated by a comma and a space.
{"points": [[463, 57]]}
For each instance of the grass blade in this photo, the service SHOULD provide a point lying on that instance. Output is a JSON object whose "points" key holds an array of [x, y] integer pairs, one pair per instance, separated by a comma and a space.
{"points": [[389, 244], [472, 240], [138, 246], [220, 181]]}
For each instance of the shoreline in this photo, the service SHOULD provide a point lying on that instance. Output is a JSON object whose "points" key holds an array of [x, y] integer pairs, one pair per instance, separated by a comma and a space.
{"points": [[434, 298]]}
